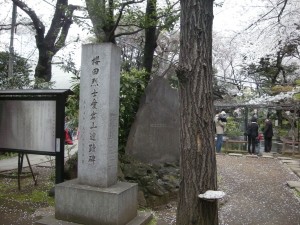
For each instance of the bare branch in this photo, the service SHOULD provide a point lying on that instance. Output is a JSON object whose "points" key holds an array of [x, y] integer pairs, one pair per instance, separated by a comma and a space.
{"points": [[38, 25], [129, 33], [282, 9], [123, 5], [8, 26]]}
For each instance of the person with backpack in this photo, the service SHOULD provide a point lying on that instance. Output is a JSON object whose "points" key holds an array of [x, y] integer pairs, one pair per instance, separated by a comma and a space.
{"points": [[252, 133]]}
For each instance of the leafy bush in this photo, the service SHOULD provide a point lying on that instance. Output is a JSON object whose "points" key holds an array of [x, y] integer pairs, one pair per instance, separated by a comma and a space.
{"points": [[233, 128], [21, 72], [132, 87]]}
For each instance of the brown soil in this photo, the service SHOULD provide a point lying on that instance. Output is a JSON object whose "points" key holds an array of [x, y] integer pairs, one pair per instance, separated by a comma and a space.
{"points": [[256, 194]]}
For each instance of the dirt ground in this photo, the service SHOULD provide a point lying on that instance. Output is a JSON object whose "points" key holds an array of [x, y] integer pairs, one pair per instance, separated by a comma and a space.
{"points": [[256, 194]]}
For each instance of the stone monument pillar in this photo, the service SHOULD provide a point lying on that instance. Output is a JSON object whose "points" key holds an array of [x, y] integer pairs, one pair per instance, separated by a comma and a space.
{"points": [[96, 197], [99, 115]]}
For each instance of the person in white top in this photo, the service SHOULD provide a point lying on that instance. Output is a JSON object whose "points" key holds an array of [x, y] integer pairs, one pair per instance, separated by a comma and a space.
{"points": [[220, 123]]}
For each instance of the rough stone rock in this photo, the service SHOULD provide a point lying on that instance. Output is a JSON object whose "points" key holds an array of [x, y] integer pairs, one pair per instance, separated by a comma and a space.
{"points": [[141, 199]]}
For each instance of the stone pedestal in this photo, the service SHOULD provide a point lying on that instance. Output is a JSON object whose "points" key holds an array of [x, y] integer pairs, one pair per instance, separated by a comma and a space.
{"points": [[92, 205]]}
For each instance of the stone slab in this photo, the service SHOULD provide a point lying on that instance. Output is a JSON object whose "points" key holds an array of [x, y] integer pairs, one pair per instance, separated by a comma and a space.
{"points": [[267, 156], [284, 158], [90, 205], [293, 184], [142, 218], [294, 162], [297, 173], [235, 154], [295, 169], [297, 189], [252, 156]]}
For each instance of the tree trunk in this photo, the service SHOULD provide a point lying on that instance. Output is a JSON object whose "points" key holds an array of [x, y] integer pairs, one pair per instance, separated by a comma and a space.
{"points": [[150, 36], [197, 157], [43, 68], [55, 38]]}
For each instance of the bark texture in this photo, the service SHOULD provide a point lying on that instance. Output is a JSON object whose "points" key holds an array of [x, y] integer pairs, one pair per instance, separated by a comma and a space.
{"points": [[150, 36], [197, 157]]}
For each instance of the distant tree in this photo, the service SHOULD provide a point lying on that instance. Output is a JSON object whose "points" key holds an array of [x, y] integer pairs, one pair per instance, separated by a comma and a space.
{"points": [[21, 73], [48, 44], [197, 155], [272, 70]]}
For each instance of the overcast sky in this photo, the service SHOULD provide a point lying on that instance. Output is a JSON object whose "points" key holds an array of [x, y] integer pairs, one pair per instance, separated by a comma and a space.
{"points": [[230, 19]]}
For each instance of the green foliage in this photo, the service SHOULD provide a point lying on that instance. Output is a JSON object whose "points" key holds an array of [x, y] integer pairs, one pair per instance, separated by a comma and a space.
{"points": [[279, 88], [296, 97], [7, 155], [21, 73], [72, 109], [30, 194], [131, 89], [282, 132], [233, 128], [40, 83]]}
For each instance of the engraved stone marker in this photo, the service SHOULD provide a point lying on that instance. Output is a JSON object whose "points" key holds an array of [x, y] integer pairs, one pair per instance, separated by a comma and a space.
{"points": [[99, 116], [96, 197]]}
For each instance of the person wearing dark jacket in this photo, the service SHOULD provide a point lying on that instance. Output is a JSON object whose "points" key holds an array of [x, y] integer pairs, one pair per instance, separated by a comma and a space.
{"points": [[268, 134], [252, 132]]}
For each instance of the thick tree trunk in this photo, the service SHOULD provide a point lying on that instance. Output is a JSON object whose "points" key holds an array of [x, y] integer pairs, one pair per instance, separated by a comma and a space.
{"points": [[198, 161], [43, 69]]}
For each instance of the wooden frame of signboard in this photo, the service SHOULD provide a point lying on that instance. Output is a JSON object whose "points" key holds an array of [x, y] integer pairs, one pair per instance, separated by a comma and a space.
{"points": [[32, 122]]}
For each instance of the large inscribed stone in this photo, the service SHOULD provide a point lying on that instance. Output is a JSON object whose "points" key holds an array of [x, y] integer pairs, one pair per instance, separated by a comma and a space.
{"points": [[99, 115]]}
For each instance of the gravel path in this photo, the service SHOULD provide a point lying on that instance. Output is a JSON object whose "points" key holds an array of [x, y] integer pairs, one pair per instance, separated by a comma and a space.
{"points": [[256, 190]]}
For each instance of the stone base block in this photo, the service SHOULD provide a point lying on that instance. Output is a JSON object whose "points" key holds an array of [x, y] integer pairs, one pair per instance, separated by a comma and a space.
{"points": [[84, 204], [142, 218]]}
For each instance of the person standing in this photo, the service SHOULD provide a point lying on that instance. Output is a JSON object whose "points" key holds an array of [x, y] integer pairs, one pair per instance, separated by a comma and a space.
{"points": [[220, 124], [268, 134], [252, 132]]}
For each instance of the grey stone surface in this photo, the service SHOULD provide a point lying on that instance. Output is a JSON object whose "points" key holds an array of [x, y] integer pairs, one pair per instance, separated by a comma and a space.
{"points": [[291, 162], [252, 156], [86, 204], [293, 184], [50, 220], [268, 156], [235, 154], [143, 218], [295, 169], [284, 158], [154, 136], [99, 115]]}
